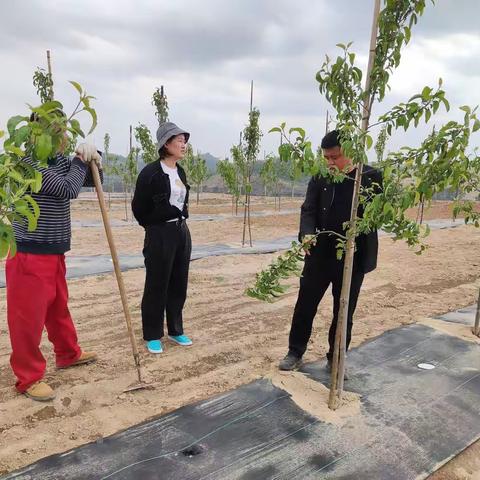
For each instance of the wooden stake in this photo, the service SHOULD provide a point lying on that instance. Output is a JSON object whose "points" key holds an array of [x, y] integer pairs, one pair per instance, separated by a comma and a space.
{"points": [[338, 366]]}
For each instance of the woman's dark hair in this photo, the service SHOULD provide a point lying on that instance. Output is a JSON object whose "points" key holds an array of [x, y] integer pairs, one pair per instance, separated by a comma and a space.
{"points": [[162, 153]]}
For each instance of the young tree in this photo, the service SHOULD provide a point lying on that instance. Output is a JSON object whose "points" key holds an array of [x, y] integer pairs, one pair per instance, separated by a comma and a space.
{"points": [[380, 145], [38, 139], [245, 155], [238, 157], [270, 173], [294, 174], [128, 172], [195, 167], [230, 176], [198, 173], [442, 161], [159, 101], [43, 82], [144, 138], [106, 162]]}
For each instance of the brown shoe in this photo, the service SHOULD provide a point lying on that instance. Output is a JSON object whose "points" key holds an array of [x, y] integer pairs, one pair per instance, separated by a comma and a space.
{"points": [[40, 391], [85, 357]]}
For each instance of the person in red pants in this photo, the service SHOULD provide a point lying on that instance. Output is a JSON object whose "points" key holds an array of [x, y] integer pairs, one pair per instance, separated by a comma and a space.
{"points": [[37, 293]]}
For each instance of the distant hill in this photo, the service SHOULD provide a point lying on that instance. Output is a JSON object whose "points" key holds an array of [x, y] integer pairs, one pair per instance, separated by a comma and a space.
{"points": [[211, 162]]}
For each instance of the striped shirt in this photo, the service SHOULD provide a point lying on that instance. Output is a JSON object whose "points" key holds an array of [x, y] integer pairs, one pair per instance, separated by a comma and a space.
{"points": [[62, 180]]}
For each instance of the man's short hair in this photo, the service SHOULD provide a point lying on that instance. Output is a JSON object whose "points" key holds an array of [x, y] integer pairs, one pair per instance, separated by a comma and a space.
{"points": [[331, 139]]}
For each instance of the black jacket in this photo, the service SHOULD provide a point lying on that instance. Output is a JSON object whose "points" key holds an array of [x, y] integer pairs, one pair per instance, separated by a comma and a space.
{"points": [[316, 207], [151, 201]]}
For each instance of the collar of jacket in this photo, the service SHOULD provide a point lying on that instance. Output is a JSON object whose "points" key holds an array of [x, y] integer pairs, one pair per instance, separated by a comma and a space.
{"points": [[181, 173]]}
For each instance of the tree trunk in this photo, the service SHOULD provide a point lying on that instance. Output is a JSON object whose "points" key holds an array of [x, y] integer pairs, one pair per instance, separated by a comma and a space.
{"points": [[245, 219], [198, 193], [476, 327], [249, 224], [126, 210], [338, 366]]}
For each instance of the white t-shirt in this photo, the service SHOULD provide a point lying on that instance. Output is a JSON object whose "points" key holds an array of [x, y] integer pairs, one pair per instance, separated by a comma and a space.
{"points": [[177, 188]]}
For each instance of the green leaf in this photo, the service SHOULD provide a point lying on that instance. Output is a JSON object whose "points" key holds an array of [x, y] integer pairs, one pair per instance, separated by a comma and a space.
{"points": [[37, 181], [368, 141], [33, 204], [77, 87], [76, 127], [299, 130], [43, 147], [274, 129], [21, 135], [9, 147], [476, 126], [51, 106], [408, 34], [16, 175], [13, 122], [426, 94], [93, 114]]}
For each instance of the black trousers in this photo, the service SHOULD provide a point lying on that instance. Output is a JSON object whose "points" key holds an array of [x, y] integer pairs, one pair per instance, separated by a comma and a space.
{"points": [[318, 274], [167, 252]]}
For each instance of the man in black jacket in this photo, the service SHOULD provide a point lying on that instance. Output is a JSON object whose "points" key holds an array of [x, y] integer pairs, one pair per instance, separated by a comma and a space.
{"points": [[326, 208]]}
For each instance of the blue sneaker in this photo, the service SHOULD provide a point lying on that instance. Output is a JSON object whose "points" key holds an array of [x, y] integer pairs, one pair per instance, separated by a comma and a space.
{"points": [[154, 346], [181, 340]]}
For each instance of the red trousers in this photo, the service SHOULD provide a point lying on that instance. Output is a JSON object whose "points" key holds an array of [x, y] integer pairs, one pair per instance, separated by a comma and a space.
{"points": [[37, 297]]}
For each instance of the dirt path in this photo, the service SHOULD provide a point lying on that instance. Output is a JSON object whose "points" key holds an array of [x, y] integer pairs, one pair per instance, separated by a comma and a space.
{"points": [[236, 339]]}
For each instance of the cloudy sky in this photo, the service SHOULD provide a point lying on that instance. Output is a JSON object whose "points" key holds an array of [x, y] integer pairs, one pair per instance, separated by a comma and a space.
{"points": [[206, 52]]}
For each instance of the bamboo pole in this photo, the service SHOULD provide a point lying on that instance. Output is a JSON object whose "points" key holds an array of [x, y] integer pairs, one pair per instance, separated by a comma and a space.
{"points": [[49, 67], [476, 327], [251, 96], [116, 266], [338, 366]]}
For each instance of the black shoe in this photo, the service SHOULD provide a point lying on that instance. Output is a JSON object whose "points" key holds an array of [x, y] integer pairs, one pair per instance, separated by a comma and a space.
{"points": [[290, 362], [328, 367]]}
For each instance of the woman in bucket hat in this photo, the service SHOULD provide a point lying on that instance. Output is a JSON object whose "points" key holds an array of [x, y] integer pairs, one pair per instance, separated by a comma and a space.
{"points": [[160, 205]]}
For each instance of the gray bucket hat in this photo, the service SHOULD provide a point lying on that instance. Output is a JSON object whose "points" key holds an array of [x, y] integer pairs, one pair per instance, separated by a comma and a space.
{"points": [[168, 130]]}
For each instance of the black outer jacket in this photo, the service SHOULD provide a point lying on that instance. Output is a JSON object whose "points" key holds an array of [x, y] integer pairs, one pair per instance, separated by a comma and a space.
{"points": [[315, 209], [151, 200]]}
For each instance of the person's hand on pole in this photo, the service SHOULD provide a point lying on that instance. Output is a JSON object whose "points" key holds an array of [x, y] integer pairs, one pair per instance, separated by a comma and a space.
{"points": [[88, 153]]}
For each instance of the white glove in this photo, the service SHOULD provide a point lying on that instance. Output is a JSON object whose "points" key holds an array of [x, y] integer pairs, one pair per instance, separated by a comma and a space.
{"points": [[88, 153]]}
